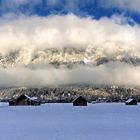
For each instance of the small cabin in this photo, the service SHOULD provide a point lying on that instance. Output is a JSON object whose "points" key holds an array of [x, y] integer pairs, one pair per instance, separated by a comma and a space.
{"points": [[80, 101], [131, 101], [24, 100]]}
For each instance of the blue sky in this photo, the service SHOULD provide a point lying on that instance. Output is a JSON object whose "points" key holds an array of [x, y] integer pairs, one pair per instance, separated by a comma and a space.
{"points": [[93, 8]]}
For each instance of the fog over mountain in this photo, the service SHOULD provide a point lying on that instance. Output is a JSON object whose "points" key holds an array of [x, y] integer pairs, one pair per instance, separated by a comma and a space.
{"points": [[58, 50]]}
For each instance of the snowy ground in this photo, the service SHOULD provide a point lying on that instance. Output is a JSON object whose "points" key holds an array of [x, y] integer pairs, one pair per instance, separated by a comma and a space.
{"points": [[65, 122]]}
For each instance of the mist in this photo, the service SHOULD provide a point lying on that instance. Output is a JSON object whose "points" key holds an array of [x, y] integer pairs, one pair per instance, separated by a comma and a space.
{"points": [[108, 74]]}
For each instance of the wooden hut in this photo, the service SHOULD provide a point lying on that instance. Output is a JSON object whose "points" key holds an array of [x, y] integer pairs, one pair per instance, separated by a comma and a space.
{"points": [[131, 101], [80, 101], [24, 100]]}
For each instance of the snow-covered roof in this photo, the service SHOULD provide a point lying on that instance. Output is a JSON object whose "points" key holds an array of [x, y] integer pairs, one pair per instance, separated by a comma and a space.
{"points": [[31, 98], [79, 97], [129, 100]]}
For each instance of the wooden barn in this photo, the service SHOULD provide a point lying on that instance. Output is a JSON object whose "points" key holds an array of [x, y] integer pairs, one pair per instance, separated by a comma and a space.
{"points": [[24, 100], [131, 101], [80, 101]]}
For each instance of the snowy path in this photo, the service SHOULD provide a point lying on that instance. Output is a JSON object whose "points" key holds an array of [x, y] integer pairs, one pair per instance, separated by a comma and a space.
{"points": [[65, 122]]}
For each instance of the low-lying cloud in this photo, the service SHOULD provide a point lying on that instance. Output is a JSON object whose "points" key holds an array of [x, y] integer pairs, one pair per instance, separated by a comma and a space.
{"points": [[105, 38], [109, 74]]}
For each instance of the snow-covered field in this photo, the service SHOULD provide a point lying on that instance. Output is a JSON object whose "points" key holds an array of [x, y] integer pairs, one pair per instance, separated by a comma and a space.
{"points": [[65, 122]]}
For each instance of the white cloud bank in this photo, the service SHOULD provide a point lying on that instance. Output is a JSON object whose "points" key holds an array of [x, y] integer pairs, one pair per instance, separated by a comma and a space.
{"points": [[68, 31], [109, 37], [112, 73]]}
